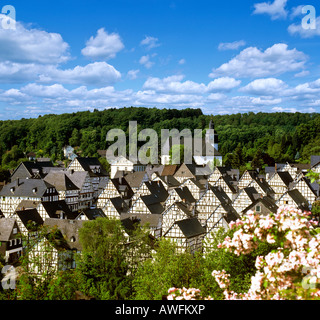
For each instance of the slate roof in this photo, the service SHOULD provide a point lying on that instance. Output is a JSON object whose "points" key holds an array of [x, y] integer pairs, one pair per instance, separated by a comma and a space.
{"points": [[190, 227], [89, 163], [69, 230], [35, 188], [6, 226], [55, 208], [40, 168], [285, 176], [78, 178], [153, 220], [29, 218], [135, 179], [184, 193], [92, 214], [60, 180], [299, 199], [267, 202], [119, 204]]}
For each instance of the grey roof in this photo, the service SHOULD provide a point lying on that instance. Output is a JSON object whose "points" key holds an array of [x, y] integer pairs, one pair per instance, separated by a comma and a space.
{"points": [[314, 160], [252, 193], [119, 204], [153, 220], [78, 178], [92, 214], [186, 208], [220, 194], [266, 201], [89, 163], [285, 176], [56, 208], [170, 181], [156, 188], [69, 230], [60, 180], [191, 227], [32, 169], [153, 204], [30, 218], [185, 194], [299, 199], [135, 179], [6, 226], [35, 188]]}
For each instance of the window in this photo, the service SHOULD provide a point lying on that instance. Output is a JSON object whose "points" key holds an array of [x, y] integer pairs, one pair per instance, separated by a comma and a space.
{"points": [[258, 208], [15, 231]]}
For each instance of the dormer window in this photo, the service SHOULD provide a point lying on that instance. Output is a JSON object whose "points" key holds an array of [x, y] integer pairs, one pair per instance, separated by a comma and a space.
{"points": [[34, 190], [12, 189]]}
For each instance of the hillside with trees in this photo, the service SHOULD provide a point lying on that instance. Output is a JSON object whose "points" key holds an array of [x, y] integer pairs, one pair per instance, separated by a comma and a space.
{"points": [[245, 140]]}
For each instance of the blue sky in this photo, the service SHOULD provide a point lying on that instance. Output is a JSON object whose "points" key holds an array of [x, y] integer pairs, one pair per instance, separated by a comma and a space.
{"points": [[221, 56]]}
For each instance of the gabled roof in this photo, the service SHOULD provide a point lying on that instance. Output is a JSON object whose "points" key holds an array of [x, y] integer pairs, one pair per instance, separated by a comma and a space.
{"points": [[185, 194], [285, 176], [157, 188], [252, 193], [169, 170], [33, 168], [60, 180], [69, 230], [299, 199], [30, 218], [78, 178], [135, 179], [34, 188], [153, 203], [92, 214], [220, 194], [153, 220], [6, 227], [89, 163], [55, 208], [266, 201], [119, 204], [170, 181], [190, 227]]}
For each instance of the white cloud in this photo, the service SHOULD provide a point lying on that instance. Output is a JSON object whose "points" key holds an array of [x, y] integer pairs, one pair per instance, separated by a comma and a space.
{"points": [[231, 45], [296, 12], [145, 61], [133, 74], [297, 29], [150, 42], [265, 87], [36, 90], [182, 61], [103, 46], [223, 84], [252, 62], [276, 9], [173, 84], [32, 46], [303, 73], [97, 73]]}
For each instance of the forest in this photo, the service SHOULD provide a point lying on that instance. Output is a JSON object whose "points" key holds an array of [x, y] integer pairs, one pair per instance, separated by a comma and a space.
{"points": [[246, 140]]}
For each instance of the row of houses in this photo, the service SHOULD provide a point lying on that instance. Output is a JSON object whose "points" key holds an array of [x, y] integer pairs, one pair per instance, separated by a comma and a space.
{"points": [[184, 203]]}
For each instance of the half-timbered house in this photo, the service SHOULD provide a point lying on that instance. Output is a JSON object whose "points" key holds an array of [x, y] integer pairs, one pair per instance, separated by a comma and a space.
{"points": [[187, 234]]}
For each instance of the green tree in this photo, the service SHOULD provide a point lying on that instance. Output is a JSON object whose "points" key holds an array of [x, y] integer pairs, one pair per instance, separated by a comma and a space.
{"points": [[102, 265]]}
